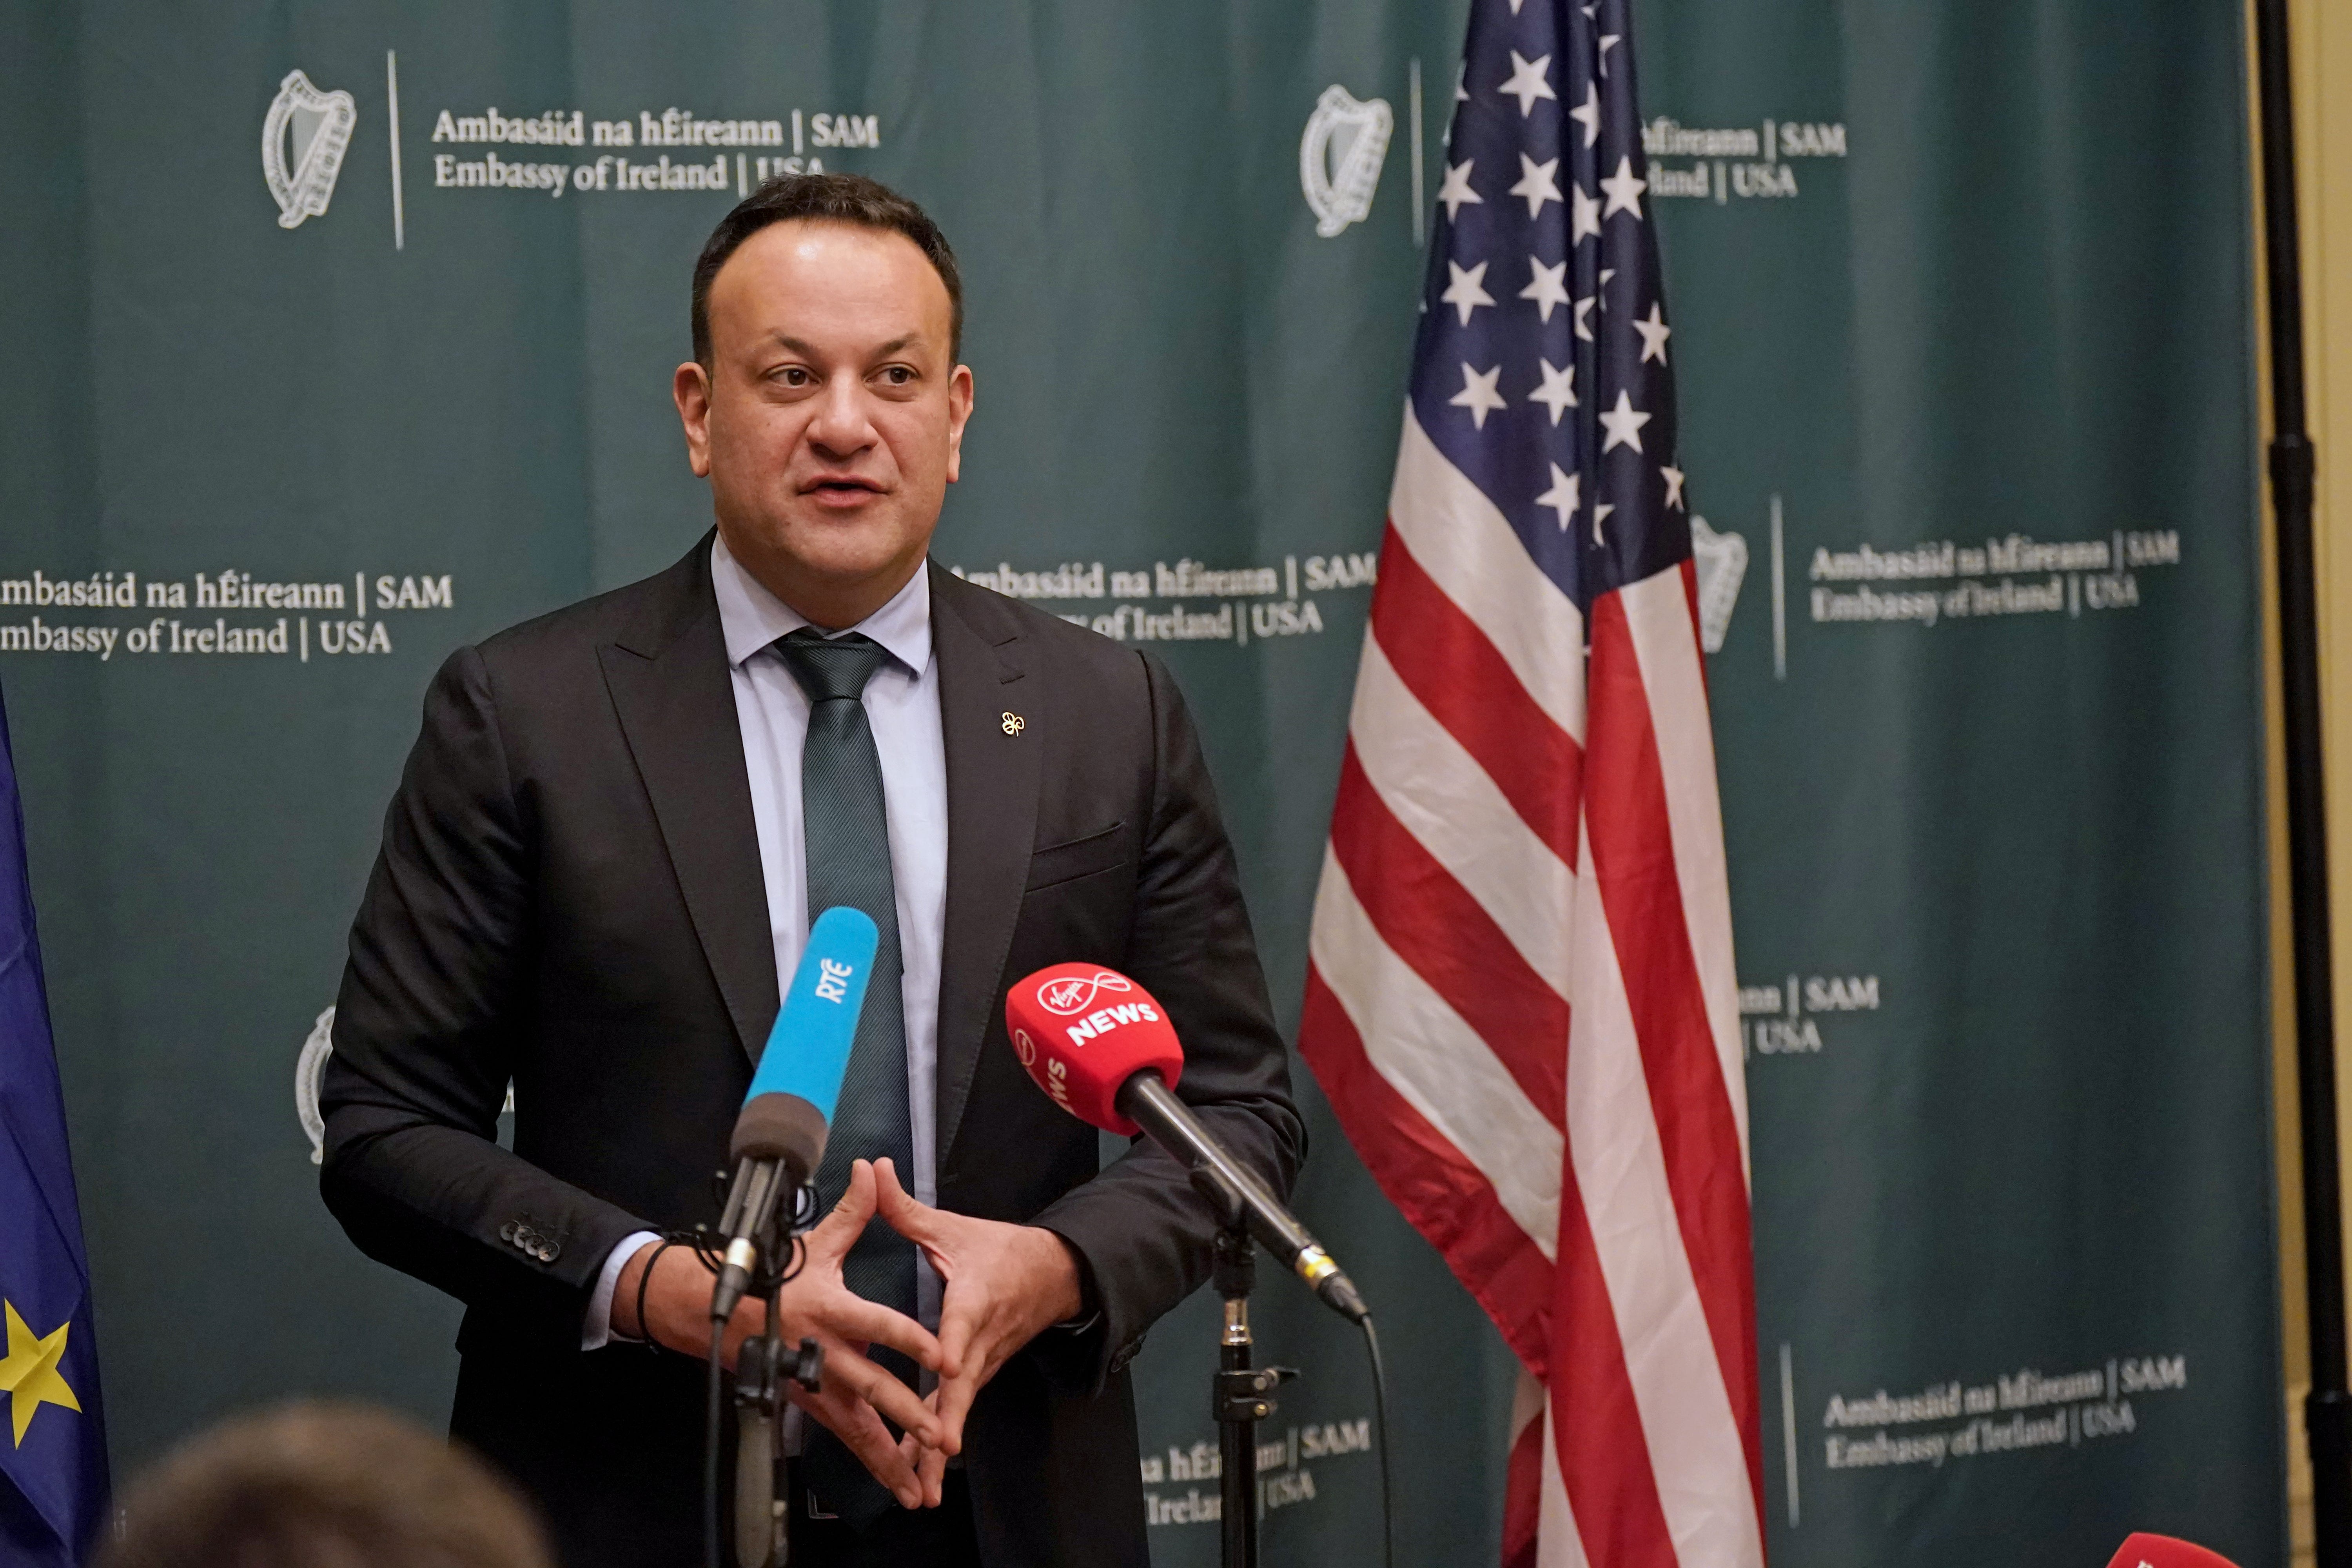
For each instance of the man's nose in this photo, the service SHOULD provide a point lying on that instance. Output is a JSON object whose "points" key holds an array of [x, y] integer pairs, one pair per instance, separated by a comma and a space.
{"points": [[840, 428]]}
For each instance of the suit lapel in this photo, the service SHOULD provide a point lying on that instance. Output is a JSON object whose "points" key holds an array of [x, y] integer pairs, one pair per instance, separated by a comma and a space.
{"points": [[669, 680], [993, 777]]}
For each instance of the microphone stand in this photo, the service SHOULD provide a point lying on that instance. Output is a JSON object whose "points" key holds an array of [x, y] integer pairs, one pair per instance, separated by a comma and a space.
{"points": [[762, 1511], [1241, 1395]]}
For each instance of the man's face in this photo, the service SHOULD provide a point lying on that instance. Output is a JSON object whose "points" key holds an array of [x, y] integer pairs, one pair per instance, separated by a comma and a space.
{"points": [[830, 421]]}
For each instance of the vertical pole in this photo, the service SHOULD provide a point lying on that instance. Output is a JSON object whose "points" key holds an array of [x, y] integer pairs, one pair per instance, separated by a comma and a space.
{"points": [[2327, 1414], [1420, 214], [391, 100], [1237, 1406]]}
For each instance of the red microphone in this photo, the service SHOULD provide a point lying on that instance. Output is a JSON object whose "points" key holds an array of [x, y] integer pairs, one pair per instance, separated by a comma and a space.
{"points": [[1098, 1045], [2164, 1551]]}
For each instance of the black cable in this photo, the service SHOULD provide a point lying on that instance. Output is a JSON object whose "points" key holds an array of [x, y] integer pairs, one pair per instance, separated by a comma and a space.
{"points": [[645, 1330], [1380, 1414], [711, 1450]]}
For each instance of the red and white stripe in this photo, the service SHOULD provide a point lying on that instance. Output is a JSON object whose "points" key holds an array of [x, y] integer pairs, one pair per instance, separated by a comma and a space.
{"points": [[1520, 1000]]}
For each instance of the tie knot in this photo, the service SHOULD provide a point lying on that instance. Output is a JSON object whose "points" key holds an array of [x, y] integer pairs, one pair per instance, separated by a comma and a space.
{"points": [[831, 667]]}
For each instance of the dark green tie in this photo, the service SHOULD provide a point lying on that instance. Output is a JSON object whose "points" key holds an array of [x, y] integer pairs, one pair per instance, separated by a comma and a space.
{"points": [[847, 835]]}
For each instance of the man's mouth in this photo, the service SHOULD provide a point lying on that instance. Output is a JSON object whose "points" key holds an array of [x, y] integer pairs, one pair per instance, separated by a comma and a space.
{"points": [[840, 487]]}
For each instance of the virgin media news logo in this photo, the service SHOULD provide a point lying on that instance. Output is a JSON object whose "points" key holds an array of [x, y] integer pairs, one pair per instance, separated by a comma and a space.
{"points": [[1075, 993]]}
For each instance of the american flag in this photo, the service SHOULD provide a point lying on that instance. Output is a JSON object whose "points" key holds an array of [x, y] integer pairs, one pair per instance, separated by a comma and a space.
{"points": [[1520, 997]]}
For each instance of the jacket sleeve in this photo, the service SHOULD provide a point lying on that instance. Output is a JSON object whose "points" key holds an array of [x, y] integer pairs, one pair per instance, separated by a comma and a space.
{"points": [[1144, 1234], [423, 1043]]}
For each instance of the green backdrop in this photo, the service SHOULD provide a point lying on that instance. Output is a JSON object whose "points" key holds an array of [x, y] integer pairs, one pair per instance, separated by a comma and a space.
{"points": [[1951, 285]]}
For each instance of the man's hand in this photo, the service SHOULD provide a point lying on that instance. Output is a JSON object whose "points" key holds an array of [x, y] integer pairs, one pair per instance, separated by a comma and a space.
{"points": [[815, 1304], [1005, 1283]]}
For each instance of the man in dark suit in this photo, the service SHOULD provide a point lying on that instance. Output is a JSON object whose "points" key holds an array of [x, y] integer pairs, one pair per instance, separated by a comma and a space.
{"points": [[607, 845]]}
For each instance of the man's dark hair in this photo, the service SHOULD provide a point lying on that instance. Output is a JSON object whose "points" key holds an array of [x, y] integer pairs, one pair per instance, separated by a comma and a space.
{"points": [[825, 199], [310, 1486]]}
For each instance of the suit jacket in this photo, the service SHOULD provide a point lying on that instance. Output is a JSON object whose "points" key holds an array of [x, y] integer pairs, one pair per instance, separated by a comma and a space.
{"points": [[569, 898]]}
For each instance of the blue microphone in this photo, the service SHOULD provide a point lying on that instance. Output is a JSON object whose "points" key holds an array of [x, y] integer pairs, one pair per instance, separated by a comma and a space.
{"points": [[799, 1080], [780, 1133]]}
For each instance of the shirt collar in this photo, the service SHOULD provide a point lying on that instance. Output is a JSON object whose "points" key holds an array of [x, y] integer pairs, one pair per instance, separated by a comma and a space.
{"points": [[751, 618]]}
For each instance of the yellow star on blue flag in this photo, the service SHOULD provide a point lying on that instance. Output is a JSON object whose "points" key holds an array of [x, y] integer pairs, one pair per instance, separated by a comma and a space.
{"points": [[29, 1373]]}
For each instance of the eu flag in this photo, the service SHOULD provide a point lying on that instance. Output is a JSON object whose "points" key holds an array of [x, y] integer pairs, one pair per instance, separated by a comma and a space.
{"points": [[52, 1442]]}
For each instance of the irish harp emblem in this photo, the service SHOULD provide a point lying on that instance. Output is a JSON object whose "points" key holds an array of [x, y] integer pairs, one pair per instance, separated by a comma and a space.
{"points": [[302, 144], [1339, 158], [1722, 562]]}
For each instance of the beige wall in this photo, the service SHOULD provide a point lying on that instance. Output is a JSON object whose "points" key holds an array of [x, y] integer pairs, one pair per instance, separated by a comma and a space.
{"points": [[2321, 36]]}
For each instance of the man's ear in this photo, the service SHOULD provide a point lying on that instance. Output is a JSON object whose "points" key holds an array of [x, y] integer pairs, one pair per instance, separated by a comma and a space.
{"points": [[959, 414], [689, 388]]}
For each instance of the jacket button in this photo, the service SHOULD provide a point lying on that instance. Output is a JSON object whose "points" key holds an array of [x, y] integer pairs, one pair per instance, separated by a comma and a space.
{"points": [[506, 1231], [548, 1252]]}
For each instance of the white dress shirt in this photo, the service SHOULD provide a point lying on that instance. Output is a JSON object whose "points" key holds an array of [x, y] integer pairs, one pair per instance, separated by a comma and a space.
{"points": [[902, 707]]}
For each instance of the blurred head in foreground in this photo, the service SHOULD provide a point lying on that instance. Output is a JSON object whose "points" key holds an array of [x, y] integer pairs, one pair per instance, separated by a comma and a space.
{"points": [[323, 1486]]}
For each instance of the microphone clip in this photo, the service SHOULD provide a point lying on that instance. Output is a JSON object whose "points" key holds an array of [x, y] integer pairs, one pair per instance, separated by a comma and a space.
{"points": [[1248, 1394], [764, 1364]]}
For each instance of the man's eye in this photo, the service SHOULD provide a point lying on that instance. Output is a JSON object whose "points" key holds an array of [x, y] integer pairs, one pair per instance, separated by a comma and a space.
{"points": [[793, 375], [898, 376]]}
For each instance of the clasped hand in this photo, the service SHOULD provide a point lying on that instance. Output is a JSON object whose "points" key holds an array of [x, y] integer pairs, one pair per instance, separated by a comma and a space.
{"points": [[1003, 1285]]}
